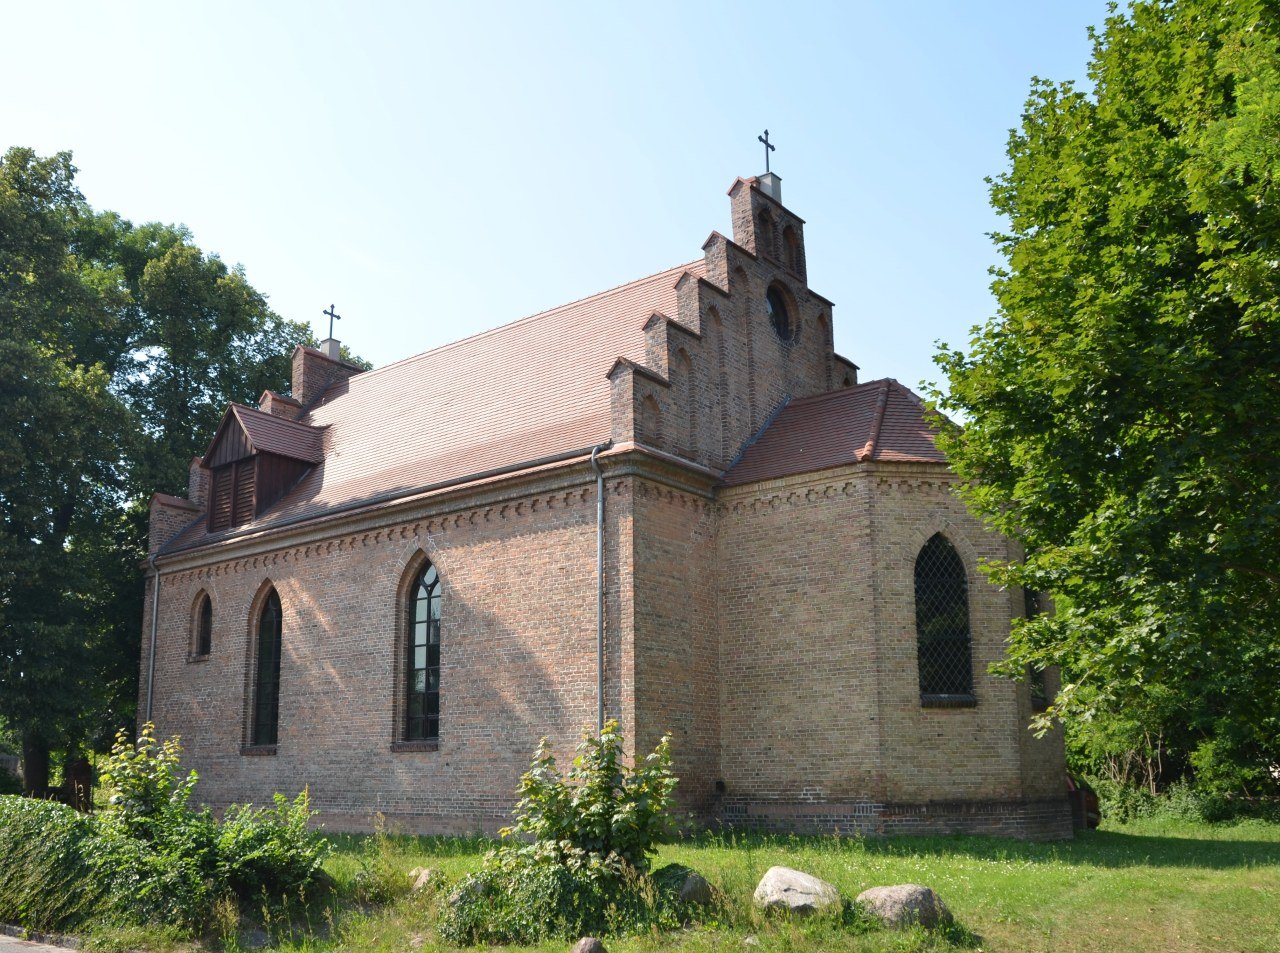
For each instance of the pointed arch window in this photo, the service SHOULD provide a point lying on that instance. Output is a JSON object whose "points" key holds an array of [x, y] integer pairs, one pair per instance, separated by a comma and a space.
{"points": [[266, 695], [943, 641], [202, 637], [422, 694]]}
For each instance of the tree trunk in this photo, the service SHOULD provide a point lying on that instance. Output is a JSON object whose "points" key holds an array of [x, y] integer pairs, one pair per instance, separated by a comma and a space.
{"points": [[35, 765]]}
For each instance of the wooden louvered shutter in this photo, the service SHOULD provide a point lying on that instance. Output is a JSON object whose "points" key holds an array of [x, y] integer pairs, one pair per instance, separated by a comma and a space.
{"points": [[245, 472], [220, 499]]}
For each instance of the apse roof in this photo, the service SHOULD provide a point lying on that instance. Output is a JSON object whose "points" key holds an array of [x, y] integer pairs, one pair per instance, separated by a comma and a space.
{"points": [[878, 420]]}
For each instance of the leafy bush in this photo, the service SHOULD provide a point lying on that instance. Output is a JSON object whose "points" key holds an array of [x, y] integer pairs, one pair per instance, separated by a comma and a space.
{"points": [[10, 783], [523, 898], [603, 809], [582, 868], [141, 782], [148, 857], [46, 880], [270, 849], [156, 882], [1182, 800]]}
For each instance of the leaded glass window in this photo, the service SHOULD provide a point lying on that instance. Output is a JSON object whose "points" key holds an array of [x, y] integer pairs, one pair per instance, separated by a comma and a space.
{"points": [[422, 696], [204, 626], [942, 623], [266, 696]]}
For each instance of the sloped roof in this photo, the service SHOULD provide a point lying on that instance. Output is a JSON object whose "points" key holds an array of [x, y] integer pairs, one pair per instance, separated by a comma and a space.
{"points": [[878, 420], [534, 388], [270, 434]]}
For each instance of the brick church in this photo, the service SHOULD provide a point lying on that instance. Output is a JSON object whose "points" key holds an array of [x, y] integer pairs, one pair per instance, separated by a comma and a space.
{"points": [[671, 503]]}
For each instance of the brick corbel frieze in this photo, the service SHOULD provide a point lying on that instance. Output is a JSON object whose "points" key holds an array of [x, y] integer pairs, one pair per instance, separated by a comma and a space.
{"points": [[809, 488], [554, 490]]}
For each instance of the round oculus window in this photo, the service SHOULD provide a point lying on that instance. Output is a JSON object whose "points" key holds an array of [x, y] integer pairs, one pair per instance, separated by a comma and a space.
{"points": [[780, 315]]}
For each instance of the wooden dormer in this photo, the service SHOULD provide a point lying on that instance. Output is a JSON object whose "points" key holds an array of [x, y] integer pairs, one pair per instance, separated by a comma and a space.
{"points": [[254, 459]]}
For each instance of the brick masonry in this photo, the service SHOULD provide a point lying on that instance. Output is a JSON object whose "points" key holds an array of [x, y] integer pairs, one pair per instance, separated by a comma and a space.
{"points": [[768, 627]]}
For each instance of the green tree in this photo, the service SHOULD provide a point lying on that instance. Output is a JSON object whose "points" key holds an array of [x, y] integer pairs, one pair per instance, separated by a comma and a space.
{"points": [[1120, 410], [120, 346]]}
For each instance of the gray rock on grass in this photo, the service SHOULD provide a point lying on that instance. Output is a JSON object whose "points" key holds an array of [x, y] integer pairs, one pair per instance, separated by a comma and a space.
{"points": [[696, 889], [782, 888], [588, 944], [902, 905]]}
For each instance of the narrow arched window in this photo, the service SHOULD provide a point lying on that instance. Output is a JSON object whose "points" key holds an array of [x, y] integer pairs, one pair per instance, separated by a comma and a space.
{"points": [[422, 700], [266, 696], [944, 646], [202, 644]]}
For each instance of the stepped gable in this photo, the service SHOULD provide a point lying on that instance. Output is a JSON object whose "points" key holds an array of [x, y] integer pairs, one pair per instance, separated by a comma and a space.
{"points": [[530, 389], [878, 420]]}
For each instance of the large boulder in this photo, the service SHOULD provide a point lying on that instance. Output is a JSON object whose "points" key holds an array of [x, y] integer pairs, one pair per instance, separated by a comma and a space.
{"points": [[782, 888], [588, 944], [902, 905]]}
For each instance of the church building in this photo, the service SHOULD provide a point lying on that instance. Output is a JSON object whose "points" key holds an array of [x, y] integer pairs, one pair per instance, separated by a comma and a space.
{"points": [[671, 503]]}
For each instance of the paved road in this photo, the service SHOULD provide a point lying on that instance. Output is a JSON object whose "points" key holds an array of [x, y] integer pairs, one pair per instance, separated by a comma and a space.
{"points": [[9, 945]]}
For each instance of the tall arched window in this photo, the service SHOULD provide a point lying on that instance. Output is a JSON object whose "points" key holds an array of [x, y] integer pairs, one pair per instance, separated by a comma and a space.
{"points": [[202, 642], [944, 648], [422, 698], [266, 695]]}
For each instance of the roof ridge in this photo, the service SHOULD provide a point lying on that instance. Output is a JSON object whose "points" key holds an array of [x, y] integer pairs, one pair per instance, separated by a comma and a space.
{"points": [[236, 405], [510, 324], [839, 391], [873, 441]]}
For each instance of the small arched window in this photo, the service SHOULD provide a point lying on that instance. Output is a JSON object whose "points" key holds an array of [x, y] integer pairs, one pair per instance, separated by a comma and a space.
{"points": [[266, 695], [780, 317], [202, 643], [422, 697], [944, 646]]}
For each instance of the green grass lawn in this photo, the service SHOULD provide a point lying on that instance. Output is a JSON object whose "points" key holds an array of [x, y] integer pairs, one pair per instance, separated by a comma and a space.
{"points": [[1148, 886]]}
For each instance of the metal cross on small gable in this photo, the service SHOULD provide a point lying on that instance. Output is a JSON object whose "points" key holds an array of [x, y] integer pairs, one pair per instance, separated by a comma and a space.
{"points": [[333, 316], [768, 147]]}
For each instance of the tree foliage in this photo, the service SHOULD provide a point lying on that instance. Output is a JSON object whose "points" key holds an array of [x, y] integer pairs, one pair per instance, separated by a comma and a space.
{"points": [[120, 346], [1121, 407]]}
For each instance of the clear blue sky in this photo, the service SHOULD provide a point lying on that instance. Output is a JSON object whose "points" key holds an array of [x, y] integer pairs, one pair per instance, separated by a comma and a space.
{"points": [[440, 169]]}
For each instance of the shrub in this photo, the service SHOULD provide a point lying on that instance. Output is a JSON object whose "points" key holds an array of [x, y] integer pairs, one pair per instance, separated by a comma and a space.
{"points": [[524, 898], [590, 836], [46, 880], [143, 791], [270, 849], [603, 808], [171, 882], [148, 857]]}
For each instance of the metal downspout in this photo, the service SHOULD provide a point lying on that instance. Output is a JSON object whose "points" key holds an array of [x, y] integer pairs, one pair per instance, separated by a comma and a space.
{"points": [[595, 465], [155, 621]]}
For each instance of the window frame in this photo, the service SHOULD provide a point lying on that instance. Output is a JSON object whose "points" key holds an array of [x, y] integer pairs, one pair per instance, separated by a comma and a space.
{"points": [[935, 691], [419, 708], [201, 645], [258, 740]]}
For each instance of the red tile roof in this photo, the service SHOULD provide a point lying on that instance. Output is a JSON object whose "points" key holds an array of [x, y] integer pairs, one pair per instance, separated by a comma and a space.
{"points": [[534, 388], [270, 434], [879, 420]]}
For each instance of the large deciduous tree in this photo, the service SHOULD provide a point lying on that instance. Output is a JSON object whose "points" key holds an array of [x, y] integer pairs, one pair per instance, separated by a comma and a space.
{"points": [[120, 345], [1121, 410]]}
